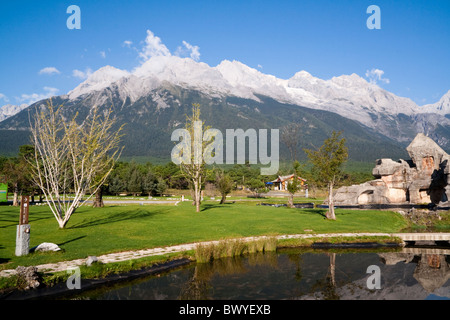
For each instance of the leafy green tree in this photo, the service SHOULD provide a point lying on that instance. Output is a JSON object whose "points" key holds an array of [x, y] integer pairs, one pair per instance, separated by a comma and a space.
{"points": [[160, 186], [116, 184], [17, 171], [149, 183], [293, 187], [256, 186], [134, 184], [327, 164], [224, 184]]}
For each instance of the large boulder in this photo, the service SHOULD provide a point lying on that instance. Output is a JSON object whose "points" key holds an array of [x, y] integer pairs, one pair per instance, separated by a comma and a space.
{"points": [[423, 179], [426, 154], [387, 167]]}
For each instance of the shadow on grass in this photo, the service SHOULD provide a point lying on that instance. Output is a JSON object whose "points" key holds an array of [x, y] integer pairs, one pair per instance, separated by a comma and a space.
{"points": [[321, 212], [13, 218], [3, 260], [116, 217], [72, 240], [209, 206]]}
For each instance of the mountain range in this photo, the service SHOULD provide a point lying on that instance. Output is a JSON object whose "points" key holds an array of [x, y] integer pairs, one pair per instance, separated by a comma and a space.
{"points": [[154, 98]]}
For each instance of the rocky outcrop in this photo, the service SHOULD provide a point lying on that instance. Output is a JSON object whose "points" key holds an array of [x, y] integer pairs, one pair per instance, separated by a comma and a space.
{"points": [[27, 278], [423, 179]]}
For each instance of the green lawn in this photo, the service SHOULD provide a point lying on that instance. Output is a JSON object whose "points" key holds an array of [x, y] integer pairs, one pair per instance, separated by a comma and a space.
{"points": [[96, 231]]}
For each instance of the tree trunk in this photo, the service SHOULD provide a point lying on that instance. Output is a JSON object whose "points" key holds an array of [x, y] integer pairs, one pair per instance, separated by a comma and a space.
{"points": [[62, 222], [197, 195], [332, 269], [222, 201], [291, 200], [330, 213], [98, 202]]}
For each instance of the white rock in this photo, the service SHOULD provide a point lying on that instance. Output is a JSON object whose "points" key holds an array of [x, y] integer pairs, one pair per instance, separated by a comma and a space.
{"points": [[90, 260], [47, 246]]}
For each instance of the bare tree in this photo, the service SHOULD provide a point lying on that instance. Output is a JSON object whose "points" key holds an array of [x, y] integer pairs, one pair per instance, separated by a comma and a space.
{"points": [[194, 168], [71, 159]]}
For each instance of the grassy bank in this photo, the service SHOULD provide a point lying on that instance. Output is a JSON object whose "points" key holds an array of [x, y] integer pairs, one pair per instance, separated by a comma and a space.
{"points": [[97, 231], [201, 254]]}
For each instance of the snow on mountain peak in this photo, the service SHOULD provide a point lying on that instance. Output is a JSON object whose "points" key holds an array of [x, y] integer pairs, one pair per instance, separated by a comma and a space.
{"points": [[98, 80], [9, 110], [349, 81], [348, 95], [440, 107], [302, 74], [246, 81], [180, 71]]}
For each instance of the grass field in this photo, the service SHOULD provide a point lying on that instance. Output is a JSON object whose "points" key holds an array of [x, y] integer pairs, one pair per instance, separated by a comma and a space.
{"points": [[96, 231]]}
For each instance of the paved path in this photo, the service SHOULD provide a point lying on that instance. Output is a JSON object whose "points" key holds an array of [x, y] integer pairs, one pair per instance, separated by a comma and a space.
{"points": [[129, 255]]}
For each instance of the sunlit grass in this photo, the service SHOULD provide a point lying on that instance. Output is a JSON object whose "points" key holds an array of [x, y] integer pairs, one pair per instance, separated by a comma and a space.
{"points": [[96, 231]]}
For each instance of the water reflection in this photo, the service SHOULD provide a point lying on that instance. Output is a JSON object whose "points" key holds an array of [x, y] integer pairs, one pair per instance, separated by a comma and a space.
{"points": [[298, 274]]}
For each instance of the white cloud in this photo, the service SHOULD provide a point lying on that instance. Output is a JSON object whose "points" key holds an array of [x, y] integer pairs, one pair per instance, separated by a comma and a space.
{"points": [[103, 54], [192, 51], [2, 96], [82, 74], [153, 47], [49, 70], [376, 75], [260, 66], [33, 97], [127, 43]]}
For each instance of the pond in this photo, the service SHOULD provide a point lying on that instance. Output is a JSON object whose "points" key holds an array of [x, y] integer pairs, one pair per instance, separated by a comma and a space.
{"points": [[400, 274]]}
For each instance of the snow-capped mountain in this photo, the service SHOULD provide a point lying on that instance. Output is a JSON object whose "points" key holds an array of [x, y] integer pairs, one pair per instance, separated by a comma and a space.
{"points": [[9, 110], [154, 98], [348, 95]]}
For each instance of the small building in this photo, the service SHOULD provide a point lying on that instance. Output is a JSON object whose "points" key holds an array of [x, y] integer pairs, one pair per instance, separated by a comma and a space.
{"points": [[281, 183], [3, 192]]}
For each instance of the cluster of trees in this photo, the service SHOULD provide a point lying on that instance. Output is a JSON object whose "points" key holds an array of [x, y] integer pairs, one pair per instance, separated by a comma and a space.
{"points": [[153, 180], [69, 160], [17, 173]]}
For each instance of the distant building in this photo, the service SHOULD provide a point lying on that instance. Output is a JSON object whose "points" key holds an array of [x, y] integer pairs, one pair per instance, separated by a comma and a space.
{"points": [[281, 182]]}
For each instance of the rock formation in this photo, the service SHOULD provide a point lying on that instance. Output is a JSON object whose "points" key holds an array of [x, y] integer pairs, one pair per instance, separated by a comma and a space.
{"points": [[424, 179]]}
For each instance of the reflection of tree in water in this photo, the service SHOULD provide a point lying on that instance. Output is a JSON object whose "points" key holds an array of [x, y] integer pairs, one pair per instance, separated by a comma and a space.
{"points": [[297, 260], [199, 286], [327, 288]]}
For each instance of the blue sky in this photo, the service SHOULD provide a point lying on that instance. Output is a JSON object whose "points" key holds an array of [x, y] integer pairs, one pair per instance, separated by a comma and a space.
{"points": [[40, 56]]}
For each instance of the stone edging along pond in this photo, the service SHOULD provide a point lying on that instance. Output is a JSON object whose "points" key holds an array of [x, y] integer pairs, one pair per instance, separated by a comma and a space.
{"points": [[212, 249], [137, 254]]}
